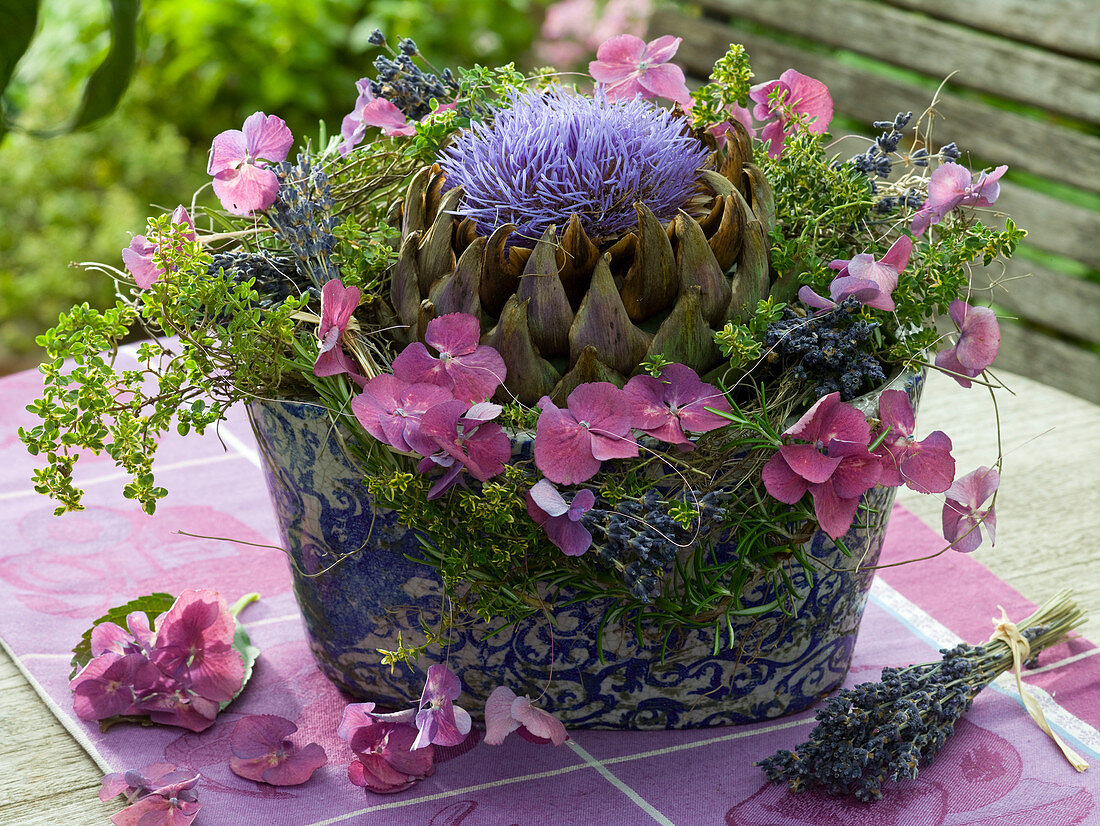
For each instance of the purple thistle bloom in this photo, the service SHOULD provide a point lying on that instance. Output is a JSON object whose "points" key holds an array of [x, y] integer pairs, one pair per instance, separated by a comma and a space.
{"points": [[552, 154]]}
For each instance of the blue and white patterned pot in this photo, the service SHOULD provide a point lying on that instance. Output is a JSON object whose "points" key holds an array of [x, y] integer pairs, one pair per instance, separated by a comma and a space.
{"points": [[780, 665]]}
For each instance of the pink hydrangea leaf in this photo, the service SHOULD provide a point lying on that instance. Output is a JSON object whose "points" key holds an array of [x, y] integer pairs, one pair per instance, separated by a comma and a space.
{"points": [[617, 58], [138, 259], [979, 335], [809, 462], [107, 636], [928, 466], [267, 137], [244, 190], [194, 643], [541, 724], [499, 722], [947, 361], [811, 299], [227, 152], [781, 482], [262, 751], [547, 499], [834, 514], [895, 411], [665, 81], [563, 449], [859, 470], [897, 256]]}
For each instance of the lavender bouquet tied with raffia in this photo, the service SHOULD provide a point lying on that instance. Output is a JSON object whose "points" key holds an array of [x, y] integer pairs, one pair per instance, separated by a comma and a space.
{"points": [[888, 730]]}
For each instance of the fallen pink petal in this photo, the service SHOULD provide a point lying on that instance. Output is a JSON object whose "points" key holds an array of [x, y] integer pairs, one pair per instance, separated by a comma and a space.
{"points": [[505, 713], [262, 751]]}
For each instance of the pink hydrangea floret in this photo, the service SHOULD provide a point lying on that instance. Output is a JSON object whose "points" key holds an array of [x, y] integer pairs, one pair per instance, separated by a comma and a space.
{"points": [[979, 341], [262, 751], [138, 257], [371, 111], [964, 513], [505, 713], [338, 304], [439, 721], [627, 66], [952, 185], [391, 410], [469, 370], [560, 519], [870, 281], [572, 444], [239, 160], [385, 761], [782, 105], [467, 439], [670, 407], [158, 795], [925, 466], [825, 452]]}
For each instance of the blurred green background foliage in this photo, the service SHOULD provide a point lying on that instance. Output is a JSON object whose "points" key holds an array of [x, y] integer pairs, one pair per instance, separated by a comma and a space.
{"points": [[203, 66]]}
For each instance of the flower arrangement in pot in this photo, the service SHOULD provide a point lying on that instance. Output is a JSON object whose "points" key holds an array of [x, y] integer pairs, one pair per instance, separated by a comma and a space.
{"points": [[594, 393]]}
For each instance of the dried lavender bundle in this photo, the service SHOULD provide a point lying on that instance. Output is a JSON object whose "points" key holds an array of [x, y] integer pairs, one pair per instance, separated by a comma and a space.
{"points": [[888, 730]]}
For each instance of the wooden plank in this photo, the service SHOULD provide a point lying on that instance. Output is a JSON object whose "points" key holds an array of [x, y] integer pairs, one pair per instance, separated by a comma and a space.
{"points": [[1046, 359], [990, 134], [1067, 26], [1053, 225], [984, 62], [1042, 296]]}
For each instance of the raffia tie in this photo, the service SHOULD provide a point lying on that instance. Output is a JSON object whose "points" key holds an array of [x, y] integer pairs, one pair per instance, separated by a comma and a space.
{"points": [[1008, 633]]}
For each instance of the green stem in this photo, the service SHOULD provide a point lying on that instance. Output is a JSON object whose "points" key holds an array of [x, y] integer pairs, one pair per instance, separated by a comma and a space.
{"points": [[240, 604]]}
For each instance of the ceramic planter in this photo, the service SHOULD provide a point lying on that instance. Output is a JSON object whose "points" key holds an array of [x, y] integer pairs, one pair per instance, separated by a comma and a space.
{"points": [[780, 664]]}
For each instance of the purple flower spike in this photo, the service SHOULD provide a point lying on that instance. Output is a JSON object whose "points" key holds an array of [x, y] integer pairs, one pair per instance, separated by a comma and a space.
{"points": [[571, 444], [471, 371], [391, 410], [963, 515], [505, 712], [262, 752], [669, 407], [951, 186], [138, 257], [440, 721], [979, 341], [627, 66], [194, 644], [239, 159], [469, 437], [925, 466], [832, 463], [338, 303], [802, 99], [561, 519]]}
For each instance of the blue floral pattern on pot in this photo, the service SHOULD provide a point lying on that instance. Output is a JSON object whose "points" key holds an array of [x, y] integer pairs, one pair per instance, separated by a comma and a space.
{"points": [[358, 590]]}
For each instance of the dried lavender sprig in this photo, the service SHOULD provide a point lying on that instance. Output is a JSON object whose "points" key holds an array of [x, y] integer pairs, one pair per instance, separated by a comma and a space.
{"points": [[887, 730]]}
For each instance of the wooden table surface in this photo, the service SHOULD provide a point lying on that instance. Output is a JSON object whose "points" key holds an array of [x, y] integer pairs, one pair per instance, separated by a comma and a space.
{"points": [[1048, 521]]}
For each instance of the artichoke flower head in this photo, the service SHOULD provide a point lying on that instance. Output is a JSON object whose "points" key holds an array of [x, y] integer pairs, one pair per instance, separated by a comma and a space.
{"points": [[585, 235]]}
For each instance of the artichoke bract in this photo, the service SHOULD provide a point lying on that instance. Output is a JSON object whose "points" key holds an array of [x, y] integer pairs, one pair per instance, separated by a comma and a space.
{"points": [[570, 308]]}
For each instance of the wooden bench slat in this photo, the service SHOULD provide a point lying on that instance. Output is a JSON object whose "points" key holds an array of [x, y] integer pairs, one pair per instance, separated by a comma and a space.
{"points": [[1043, 296], [992, 134], [1053, 225], [1067, 26], [1050, 361], [985, 62]]}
